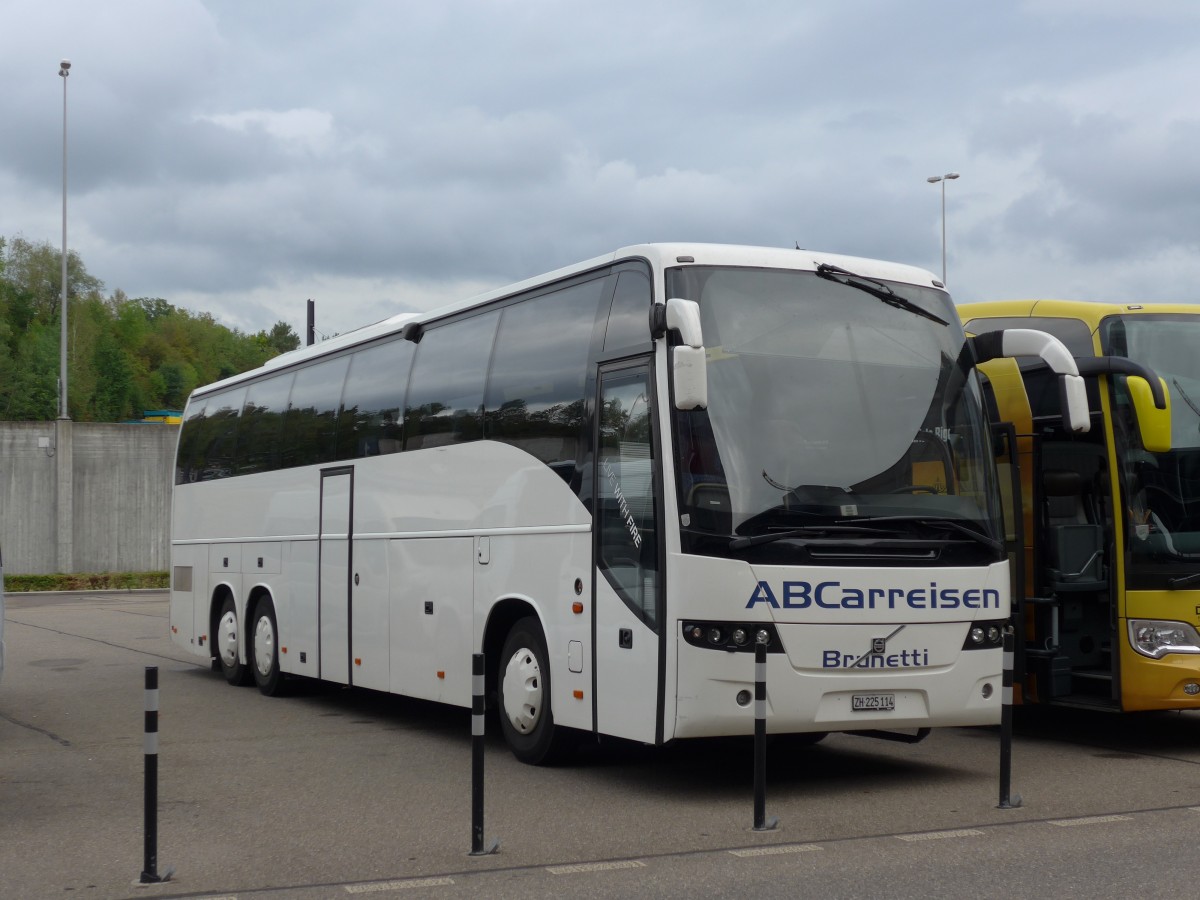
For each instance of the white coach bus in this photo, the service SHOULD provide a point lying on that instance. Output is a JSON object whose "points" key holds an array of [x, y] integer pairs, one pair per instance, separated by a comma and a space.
{"points": [[614, 480]]}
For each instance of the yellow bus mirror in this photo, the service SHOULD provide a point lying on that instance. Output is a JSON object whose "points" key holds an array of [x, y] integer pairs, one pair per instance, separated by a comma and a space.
{"points": [[1154, 424]]}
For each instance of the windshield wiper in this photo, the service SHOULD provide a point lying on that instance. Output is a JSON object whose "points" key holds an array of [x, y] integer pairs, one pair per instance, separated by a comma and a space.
{"points": [[936, 522], [1186, 399], [1175, 584], [876, 289], [741, 543]]}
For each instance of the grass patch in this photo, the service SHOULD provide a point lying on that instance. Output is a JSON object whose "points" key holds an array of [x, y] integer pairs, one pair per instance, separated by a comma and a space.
{"points": [[99, 581]]}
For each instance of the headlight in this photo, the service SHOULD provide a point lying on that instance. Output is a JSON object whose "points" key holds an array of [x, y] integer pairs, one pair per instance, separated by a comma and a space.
{"points": [[1155, 638]]}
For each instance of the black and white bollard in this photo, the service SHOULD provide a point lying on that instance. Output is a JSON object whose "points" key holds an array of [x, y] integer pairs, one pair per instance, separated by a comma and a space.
{"points": [[478, 698], [150, 789], [761, 822], [1008, 800]]}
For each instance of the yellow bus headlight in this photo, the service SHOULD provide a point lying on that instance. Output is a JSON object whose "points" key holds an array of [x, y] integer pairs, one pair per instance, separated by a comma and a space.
{"points": [[1156, 638]]}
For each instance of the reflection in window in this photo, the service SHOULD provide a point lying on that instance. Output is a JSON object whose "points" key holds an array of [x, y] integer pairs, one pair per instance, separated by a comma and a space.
{"points": [[535, 389], [262, 425], [629, 316], [625, 489], [190, 441], [370, 423], [446, 396], [217, 442], [310, 426]]}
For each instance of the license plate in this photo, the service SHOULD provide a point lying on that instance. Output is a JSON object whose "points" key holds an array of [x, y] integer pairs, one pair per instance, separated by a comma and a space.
{"points": [[872, 702]]}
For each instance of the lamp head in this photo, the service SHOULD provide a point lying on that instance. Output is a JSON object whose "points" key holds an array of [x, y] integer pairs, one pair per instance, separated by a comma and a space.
{"points": [[64, 68]]}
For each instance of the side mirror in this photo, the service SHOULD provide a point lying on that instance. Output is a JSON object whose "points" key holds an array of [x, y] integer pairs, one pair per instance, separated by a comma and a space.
{"points": [[1153, 422], [688, 367], [1013, 342], [1151, 399]]}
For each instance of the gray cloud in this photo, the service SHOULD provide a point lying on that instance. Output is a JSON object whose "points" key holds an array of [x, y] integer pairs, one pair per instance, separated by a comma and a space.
{"points": [[242, 155]]}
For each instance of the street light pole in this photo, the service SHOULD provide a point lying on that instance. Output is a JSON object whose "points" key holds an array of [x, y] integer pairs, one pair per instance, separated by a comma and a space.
{"points": [[934, 179], [64, 70]]}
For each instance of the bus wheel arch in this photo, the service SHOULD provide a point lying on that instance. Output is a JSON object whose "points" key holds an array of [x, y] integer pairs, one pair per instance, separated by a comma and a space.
{"points": [[524, 697], [515, 628], [226, 634], [262, 644]]}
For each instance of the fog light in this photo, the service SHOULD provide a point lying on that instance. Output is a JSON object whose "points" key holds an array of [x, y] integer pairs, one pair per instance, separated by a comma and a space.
{"points": [[987, 691], [715, 635], [763, 636], [993, 635], [740, 637], [1191, 689], [743, 698], [697, 632], [977, 635]]}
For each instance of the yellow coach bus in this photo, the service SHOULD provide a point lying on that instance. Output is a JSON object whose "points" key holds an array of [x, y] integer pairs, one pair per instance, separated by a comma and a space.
{"points": [[1110, 519]]}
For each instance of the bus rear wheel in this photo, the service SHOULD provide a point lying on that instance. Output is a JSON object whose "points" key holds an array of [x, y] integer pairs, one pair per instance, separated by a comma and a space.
{"points": [[526, 717], [227, 642], [263, 649]]}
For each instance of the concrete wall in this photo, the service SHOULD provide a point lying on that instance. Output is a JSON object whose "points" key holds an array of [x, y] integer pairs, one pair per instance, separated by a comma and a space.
{"points": [[96, 499]]}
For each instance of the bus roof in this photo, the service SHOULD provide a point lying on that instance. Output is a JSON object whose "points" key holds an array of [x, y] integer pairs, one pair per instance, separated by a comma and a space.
{"points": [[660, 256]]}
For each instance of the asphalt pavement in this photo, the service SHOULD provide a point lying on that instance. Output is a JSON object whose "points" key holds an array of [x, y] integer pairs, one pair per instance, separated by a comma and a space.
{"points": [[334, 792]]}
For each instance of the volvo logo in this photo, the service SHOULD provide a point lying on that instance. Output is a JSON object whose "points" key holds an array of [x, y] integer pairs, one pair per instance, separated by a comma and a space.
{"points": [[878, 648]]}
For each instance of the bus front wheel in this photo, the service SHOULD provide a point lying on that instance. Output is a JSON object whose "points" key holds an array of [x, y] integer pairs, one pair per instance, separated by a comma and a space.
{"points": [[227, 640], [263, 649], [526, 717]]}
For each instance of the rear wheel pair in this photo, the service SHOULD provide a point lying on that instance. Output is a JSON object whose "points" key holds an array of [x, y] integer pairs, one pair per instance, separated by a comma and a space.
{"points": [[262, 653]]}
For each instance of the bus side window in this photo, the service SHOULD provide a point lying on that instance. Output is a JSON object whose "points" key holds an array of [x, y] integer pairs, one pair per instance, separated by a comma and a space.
{"points": [[629, 315], [535, 393], [369, 423], [262, 425], [309, 430], [191, 434], [218, 443], [445, 396]]}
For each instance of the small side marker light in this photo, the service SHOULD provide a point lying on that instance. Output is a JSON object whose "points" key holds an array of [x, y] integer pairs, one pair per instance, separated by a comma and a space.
{"points": [[357, 661], [578, 695], [283, 649], [442, 675], [577, 607]]}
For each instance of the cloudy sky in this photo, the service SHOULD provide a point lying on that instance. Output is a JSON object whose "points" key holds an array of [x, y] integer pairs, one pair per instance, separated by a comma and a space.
{"points": [[239, 157]]}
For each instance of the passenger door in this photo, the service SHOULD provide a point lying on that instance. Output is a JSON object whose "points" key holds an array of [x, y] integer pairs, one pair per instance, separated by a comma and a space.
{"points": [[628, 610]]}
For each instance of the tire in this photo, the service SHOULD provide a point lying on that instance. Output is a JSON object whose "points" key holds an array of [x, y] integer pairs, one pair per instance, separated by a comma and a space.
{"points": [[227, 638], [262, 650], [526, 716]]}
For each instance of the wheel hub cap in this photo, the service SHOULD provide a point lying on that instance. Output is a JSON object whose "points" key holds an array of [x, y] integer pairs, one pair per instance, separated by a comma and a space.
{"points": [[264, 646], [523, 691]]}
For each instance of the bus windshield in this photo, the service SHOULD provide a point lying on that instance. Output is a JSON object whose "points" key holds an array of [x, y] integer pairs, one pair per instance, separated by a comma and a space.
{"points": [[1162, 490], [832, 405]]}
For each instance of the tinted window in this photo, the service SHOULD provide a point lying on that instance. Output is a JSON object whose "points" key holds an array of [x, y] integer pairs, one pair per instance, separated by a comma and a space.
{"points": [[217, 441], [310, 426], [446, 394], [625, 514], [190, 436], [1072, 332], [629, 316], [261, 425], [536, 385], [370, 423]]}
